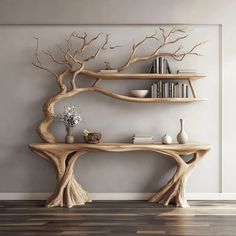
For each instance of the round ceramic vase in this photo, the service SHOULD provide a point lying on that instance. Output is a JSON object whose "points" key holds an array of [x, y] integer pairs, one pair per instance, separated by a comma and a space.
{"points": [[166, 139]]}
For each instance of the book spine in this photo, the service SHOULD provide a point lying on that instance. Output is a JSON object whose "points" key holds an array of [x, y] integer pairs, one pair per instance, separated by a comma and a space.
{"points": [[161, 69], [152, 90], [169, 90], [173, 89], [155, 90], [158, 89], [168, 70], [186, 91], [156, 65], [164, 66], [182, 91], [177, 90], [163, 89]]}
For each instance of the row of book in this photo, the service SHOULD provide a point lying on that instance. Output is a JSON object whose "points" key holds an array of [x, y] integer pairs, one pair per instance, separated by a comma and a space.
{"points": [[160, 65], [169, 89], [143, 139]]}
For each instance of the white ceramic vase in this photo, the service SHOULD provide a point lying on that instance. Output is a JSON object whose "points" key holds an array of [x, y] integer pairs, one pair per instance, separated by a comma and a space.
{"points": [[166, 139], [182, 136]]}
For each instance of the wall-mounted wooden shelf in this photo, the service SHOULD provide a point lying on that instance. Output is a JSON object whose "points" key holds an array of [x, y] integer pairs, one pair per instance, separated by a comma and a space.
{"points": [[163, 100], [140, 100], [121, 76]]}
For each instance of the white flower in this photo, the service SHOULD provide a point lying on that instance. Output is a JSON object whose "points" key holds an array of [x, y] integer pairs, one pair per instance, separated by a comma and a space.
{"points": [[70, 117]]}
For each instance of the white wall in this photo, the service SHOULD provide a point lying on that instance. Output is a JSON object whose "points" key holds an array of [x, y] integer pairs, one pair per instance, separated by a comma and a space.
{"points": [[142, 12]]}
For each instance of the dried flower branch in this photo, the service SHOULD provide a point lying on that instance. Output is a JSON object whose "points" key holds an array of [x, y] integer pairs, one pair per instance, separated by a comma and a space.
{"points": [[70, 117]]}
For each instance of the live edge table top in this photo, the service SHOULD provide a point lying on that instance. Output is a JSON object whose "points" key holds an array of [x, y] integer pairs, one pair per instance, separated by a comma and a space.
{"points": [[189, 147]]}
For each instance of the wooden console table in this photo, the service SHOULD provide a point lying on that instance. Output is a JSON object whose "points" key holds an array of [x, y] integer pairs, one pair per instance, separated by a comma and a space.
{"points": [[70, 193]]}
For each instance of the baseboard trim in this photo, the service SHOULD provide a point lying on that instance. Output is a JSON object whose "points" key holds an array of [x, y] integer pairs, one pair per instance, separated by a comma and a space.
{"points": [[119, 196]]}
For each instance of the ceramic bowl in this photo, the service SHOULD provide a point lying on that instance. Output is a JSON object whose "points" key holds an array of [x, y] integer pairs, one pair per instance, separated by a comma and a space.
{"points": [[139, 93]]}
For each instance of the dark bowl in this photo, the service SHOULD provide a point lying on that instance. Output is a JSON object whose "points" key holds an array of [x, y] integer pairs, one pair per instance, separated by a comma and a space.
{"points": [[93, 137]]}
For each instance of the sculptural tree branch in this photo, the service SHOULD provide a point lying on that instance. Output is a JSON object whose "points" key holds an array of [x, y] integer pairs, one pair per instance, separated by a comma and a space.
{"points": [[166, 40], [73, 62]]}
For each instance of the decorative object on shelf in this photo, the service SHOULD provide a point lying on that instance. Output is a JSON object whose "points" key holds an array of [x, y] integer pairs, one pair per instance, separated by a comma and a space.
{"points": [[182, 136], [70, 117], [91, 137], [186, 71], [75, 54], [86, 132], [139, 93], [166, 139], [143, 139], [94, 137], [108, 68], [69, 138]]}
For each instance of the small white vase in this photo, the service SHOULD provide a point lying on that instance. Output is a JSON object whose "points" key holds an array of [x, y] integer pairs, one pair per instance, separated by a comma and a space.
{"points": [[166, 139], [182, 136]]}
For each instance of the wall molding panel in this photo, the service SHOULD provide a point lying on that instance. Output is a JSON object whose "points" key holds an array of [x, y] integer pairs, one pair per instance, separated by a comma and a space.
{"points": [[15, 13]]}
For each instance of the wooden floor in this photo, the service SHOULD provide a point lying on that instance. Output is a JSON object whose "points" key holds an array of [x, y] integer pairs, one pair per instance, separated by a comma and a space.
{"points": [[118, 218]]}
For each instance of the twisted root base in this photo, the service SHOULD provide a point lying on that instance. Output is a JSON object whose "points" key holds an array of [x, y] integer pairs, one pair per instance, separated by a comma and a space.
{"points": [[174, 191], [69, 193]]}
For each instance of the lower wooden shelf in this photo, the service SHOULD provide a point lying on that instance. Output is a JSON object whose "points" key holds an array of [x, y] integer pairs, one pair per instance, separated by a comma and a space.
{"points": [[164, 100], [136, 99], [70, 193]]}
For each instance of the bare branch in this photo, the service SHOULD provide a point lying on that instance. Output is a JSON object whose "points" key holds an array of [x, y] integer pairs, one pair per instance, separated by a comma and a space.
{"points": [[85, 44], [48, 53], [157, 52], [131, 58], [91, 40], [45, 68], [180, 56], [68, 54], [101, 48], [39, 63], [177, 39]]}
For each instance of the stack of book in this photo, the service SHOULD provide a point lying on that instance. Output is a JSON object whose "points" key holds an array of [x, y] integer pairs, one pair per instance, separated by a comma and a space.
{"points": [[186, 71], [143, 139], [160, 65], [169, 89]]}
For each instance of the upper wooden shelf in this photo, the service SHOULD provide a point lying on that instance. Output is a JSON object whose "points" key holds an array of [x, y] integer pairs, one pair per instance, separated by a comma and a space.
{"points": [[120, 76]]}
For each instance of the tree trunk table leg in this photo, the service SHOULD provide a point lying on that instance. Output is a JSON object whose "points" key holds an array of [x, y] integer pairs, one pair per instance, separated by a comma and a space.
{"points": [[69, 192], [174, 190]]}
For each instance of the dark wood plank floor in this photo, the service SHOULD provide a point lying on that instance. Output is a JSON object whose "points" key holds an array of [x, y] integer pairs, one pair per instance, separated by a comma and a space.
{"points": [[118, 218]]}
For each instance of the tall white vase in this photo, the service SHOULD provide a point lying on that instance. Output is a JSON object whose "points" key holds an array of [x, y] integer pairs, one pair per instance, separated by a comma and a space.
{"points": [[182, 136]]}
